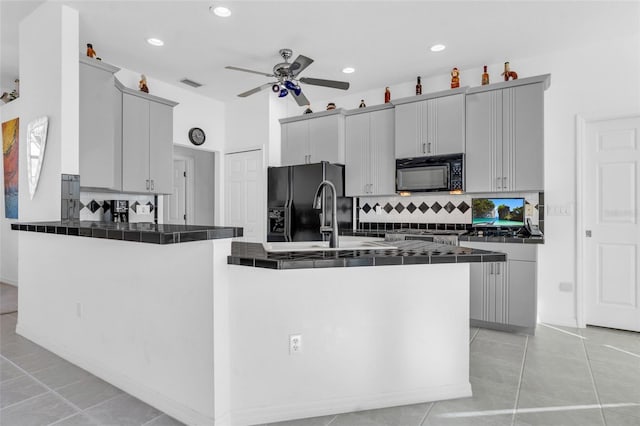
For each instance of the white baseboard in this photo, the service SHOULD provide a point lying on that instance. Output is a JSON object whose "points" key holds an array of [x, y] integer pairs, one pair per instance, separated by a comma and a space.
{"points": [[561, 321], [261, 415], [9, 281], [132, 387]]}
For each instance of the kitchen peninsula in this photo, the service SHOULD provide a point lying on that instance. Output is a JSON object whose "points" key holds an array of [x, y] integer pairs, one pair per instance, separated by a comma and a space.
{"points": [[202, 329]]}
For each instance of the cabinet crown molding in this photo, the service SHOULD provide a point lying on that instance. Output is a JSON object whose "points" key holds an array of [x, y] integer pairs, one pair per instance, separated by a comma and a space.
{"points": [[98, 64], [312, 115], [432, 95], [372, 108], [545, 79], [143, 95]]}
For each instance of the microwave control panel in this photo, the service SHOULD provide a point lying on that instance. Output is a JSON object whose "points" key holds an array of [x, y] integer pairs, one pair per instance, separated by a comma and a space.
{"points": [[456, 177]]}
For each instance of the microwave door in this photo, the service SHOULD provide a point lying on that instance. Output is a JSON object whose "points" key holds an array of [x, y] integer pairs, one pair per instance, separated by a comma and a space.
{"points": [[431, 178]]}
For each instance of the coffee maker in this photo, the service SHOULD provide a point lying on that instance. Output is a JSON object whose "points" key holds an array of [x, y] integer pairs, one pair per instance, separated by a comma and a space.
{"points": [[120, 211]]}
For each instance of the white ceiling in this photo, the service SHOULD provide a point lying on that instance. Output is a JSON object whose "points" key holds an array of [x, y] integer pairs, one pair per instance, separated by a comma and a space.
{"points": [[387, 42]]}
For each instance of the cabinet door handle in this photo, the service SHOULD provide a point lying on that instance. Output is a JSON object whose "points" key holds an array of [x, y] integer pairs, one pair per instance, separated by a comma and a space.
{"points": [[147, 184], [424, 148], [152, 184], [504, 182], [429, 148], [497, 269], [498, 180], [491, 269], [370, 188]]}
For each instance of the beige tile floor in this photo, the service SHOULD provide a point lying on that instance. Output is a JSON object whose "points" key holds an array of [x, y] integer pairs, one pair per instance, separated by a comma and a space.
{"points": [[560, 376]]}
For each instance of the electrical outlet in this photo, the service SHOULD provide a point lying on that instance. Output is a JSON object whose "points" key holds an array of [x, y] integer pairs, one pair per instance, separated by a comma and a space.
{"points": [[79, 310], [295, 344], [565, 286]]}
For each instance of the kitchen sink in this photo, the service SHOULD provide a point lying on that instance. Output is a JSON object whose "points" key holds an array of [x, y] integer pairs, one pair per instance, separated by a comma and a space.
{"points": [[344, 244]]}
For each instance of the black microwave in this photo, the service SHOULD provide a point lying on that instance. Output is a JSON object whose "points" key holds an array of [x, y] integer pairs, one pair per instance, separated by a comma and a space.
{"points": [[430, 174]]}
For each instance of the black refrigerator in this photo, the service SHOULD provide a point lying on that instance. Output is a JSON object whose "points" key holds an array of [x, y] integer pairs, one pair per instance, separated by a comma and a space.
{"points": [[290, 212]]}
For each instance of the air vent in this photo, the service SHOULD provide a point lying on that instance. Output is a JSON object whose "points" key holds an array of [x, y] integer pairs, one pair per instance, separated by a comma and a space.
{"points": [[190, 83]]}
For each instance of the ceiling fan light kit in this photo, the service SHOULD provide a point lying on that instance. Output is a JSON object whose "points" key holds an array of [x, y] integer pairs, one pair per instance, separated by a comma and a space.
{"points": [[287, 74]]}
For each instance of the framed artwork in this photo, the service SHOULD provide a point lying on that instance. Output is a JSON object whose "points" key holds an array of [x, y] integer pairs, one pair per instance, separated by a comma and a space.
{"points": [[10, 145]]}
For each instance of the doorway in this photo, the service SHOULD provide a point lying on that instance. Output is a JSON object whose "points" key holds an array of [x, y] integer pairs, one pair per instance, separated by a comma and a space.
{"points": [[245, 186], [608, 223], [177, 205]]}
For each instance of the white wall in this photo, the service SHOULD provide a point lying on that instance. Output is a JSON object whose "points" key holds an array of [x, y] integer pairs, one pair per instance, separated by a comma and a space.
{"points": [[248, 122], [359, 331], [593, 81], [49, 86], [193, 110], [8, 238], [120, 323]]}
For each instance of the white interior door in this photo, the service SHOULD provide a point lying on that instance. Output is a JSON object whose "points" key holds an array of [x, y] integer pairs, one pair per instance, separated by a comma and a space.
{"points": [[245, 186], [611, 192], [176, 203]]}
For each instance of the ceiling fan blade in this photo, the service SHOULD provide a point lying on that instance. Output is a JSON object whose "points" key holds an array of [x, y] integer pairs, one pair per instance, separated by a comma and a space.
{"points": [[251, 71], [326, 83], [255, 90], [301, 99], [300, 64]]}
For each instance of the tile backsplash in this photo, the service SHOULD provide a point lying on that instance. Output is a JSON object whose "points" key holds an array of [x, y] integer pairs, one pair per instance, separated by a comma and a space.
{"points": [[94, 205], [437, 208]]}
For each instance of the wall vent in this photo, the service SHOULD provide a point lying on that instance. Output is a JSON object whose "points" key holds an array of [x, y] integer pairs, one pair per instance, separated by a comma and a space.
{"points": [[190, 83]]}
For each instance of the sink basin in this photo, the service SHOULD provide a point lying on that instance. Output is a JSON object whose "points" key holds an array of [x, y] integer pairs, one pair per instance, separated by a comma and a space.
{"points": [[345, 244]]}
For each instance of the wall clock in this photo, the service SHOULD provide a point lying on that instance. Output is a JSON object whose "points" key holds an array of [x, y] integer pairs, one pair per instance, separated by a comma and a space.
{"points": [[196, 136]]}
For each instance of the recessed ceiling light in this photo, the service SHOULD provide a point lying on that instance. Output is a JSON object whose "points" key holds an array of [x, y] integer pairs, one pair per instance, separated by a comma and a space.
{"points": [[348, 70], [221, 11], [438, 47], [155, 41]]}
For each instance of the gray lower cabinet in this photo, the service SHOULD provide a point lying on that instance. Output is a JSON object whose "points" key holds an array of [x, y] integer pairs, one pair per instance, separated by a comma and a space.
{"points": [[312, 138], [430, 124], [489, 292], [147, 146], [505, 136], [100, 113], [370, 163], [503, 295]]}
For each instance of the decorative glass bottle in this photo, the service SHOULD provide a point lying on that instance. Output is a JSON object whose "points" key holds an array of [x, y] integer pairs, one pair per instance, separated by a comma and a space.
{"points": [[485, 77]]}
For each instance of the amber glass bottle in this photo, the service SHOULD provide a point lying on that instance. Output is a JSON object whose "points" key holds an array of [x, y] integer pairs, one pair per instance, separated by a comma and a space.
{"points": [[419, 87], [485, 76]]}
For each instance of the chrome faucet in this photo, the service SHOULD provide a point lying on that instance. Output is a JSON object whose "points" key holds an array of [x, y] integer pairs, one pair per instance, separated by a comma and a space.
{"points": [[317, 204]]}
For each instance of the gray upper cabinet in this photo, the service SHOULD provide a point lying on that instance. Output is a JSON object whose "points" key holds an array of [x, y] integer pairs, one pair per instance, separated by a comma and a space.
{"points": [[295, 143], [504, 294], [505, 136], [370, 161], [431, 124], [100, 139], [147, 146], [312, 138]]}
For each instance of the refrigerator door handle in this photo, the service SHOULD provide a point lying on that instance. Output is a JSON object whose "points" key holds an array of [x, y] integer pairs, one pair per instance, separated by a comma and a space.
{"points": [[287, 221]]}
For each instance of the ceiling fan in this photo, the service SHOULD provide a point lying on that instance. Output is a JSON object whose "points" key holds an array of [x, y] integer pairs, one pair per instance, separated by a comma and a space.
{"points": [[287, 78]]}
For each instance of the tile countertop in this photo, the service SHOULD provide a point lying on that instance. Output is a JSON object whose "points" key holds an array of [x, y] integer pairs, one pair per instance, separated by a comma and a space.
{"points": [[499, 239], [462, 237], [135, 232], [407, 253]]}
